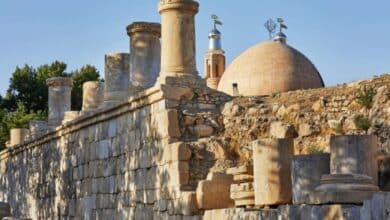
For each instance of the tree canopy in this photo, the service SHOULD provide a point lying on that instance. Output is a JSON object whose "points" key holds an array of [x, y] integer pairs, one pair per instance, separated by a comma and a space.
{"points": [[27, 96]]}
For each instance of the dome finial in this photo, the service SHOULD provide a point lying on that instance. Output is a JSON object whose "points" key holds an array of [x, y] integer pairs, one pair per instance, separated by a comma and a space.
{"points": [[280, 36], [215, 35]]}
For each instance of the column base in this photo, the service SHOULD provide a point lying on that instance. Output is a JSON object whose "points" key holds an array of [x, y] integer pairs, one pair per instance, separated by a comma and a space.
{"points": [[180, 79], [344, 188]]}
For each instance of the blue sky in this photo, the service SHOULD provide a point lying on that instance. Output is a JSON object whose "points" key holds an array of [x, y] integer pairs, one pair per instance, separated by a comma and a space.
{"points": [[346, 40]]}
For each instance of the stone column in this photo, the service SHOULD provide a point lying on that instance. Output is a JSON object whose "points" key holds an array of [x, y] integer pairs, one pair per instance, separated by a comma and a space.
{"points": [[18, 136], [59, 99], [353, 170], [37, 128], [70, 116], [272, 171], [178, 36], [145, 55], [306, 175], [116, 78], [93, 92]]}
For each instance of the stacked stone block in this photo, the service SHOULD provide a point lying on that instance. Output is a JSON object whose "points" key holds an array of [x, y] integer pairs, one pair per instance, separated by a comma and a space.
{"points": [[242, 190]]}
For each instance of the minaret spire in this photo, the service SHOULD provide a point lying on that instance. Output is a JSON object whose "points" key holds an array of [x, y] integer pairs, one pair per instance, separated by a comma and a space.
{"points": [[214, 59]]}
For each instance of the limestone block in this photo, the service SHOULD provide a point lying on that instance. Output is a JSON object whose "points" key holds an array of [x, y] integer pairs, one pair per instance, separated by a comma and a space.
{"points": [[202, 130], [173, 174], [177, 151], [103, 149], [214, 193], [306, 175], [167, 124], [188, 203], [177, 93], [70, 116], [37, 128], [272, 171], [18, 136], [281, 130]]}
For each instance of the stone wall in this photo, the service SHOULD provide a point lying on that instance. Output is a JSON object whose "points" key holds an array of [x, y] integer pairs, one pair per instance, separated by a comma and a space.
{"points": [[311, 117], [127, 161], [144, 158]]}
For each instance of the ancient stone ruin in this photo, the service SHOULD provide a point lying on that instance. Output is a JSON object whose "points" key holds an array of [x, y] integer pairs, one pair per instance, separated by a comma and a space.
{"points": [[156, 141]]}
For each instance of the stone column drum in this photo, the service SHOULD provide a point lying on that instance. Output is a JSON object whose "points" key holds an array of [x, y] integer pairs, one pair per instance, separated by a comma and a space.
{"points": [[306, 175], [37, 128], [59, 99], [272, 171], [117, 78], [145, 55], [70, 116], [353, 170], [18, 136], [178, 37], [93, 92]]}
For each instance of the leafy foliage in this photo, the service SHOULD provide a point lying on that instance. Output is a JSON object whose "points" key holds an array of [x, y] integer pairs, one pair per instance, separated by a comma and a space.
{"points": [[362, 122], [365, 96], [85, 74], [27, 96], [314, 149]]}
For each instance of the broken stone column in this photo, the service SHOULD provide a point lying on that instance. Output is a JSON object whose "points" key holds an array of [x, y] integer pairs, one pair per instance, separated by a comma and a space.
{"points": [[18, 136], [242, 191], [59, 99], [306, 175], [272, 171], [178, 62], [37, 128], [70, 116], [93, 92], [116, 78], [145, 55], [353, 170]]}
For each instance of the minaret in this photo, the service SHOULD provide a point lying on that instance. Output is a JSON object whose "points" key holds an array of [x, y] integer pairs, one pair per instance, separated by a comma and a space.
{"points": [[214, 60]]}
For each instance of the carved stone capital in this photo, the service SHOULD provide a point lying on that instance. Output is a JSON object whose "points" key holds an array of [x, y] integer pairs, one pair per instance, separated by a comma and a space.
{"points": [[182, 5], [59, 81], [144, 27]]}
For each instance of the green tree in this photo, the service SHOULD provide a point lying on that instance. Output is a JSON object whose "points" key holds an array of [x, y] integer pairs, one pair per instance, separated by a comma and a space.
{"points": [[17, 119], [84, 74], [28, 86]]}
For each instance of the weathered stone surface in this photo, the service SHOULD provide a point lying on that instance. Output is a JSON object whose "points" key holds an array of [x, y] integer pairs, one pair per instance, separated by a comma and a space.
{"points": [[272, 161], [37, 128], [214, 193], [306, 175], [282, 130], [59, 99], [117, 76], [93, 94], [203, 130], [178, 35], [18, 136], [353, 168], [145, 54]]}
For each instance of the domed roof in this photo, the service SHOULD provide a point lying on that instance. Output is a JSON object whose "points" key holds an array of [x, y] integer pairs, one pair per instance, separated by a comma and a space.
{"points": [[270, 67]]}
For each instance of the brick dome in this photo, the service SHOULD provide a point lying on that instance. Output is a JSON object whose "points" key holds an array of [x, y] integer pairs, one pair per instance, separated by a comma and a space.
{"points": [[270, 67]]}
